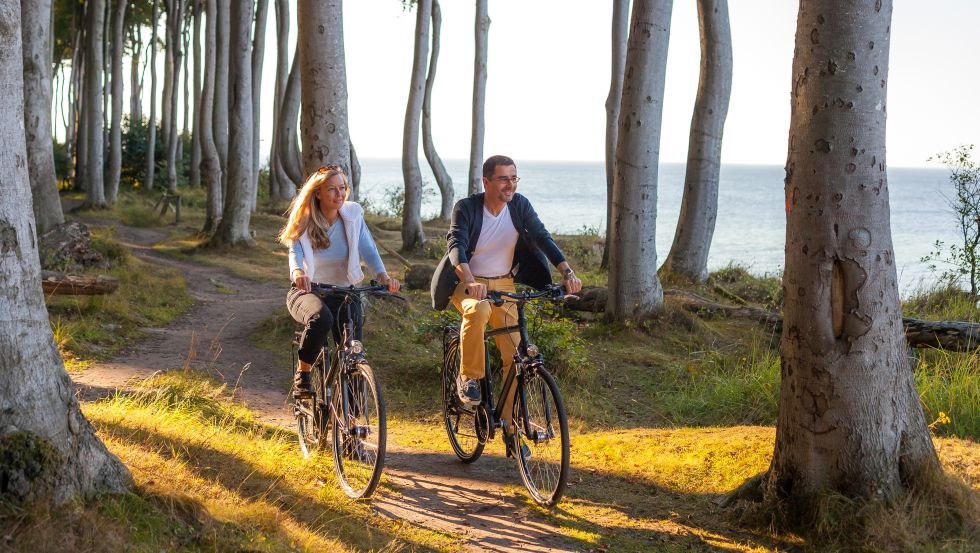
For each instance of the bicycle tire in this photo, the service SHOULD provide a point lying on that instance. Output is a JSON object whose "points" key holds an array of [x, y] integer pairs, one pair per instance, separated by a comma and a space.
{"points": [[461, 421], [312, 414], [545, 471], [360, 441]]}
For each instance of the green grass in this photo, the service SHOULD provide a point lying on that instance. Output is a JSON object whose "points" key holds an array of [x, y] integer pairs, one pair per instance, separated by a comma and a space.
{"points": [[667, 418], [91, 328]]}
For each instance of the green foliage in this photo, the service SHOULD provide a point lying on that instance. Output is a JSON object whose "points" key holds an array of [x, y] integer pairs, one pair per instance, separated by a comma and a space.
{"points": [[949, 387], [961, 261], [393, 204], [765, 290]]}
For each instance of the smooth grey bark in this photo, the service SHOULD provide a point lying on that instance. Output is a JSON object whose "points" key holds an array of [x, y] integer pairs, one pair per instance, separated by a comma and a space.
{"points": [[37, 37], [481, 32], [443, 180], [620, 33], [233, 229], [258, 55], [355, 173], [220, 110], [92, 105], [175, 24], [169, 88], [635, 292], [151, 126], [289, 157], [850, 419], [323, 78], [210, 163], [72, 140], [115, 133], [688, 256], [135, 79], [37, 400], [280, 186], [412, 235], [195, 177]]}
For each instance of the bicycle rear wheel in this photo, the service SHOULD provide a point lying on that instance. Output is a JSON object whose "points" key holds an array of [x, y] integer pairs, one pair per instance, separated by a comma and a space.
{"points": [[543, 430], [312, 414], [359, 431], [463, 423]]}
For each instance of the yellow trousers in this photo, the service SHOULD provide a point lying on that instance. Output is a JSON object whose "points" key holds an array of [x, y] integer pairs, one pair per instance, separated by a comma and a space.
{"points": [[476, 315]]}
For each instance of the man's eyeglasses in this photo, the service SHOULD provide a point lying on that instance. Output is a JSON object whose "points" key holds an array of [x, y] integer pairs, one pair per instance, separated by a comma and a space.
{"points": [[503, 180]]}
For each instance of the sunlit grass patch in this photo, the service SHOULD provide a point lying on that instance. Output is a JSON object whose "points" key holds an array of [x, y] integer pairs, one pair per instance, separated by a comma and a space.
{"points": [[88, 328], [246, 484], [949, 386]]}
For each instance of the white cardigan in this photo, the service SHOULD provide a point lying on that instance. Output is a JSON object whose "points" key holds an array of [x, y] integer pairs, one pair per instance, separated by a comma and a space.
{"points": [[352, 215]]}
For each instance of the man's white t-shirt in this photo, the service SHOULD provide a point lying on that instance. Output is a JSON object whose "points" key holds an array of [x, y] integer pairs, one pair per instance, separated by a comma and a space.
{"points": [[494, 251]]}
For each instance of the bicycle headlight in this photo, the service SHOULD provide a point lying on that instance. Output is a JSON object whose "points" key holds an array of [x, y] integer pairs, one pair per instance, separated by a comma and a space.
{"points": [[356, 346], [532, 350]]}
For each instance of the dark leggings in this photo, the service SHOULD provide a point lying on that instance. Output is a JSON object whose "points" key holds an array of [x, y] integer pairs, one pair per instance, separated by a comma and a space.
{"points": [[320, 317]]}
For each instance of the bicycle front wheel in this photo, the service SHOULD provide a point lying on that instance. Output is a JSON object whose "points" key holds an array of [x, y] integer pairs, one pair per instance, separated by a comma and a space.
{"points": [[312, 414], [359, 431], [541, 438], [463, 425]]}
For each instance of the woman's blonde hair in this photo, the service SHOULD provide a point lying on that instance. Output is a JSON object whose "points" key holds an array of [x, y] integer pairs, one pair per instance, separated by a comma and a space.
{"points": [[304, 211]]}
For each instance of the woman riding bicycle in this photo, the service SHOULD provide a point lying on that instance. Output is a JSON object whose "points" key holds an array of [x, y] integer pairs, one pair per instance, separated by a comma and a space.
{"points": [[327, 239]]}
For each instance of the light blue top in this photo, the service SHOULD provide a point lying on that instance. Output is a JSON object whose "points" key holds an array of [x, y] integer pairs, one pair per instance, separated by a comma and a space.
{"points": [[330, 264]]}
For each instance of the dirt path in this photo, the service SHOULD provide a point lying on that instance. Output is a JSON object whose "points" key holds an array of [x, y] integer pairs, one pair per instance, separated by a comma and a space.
{"points": [[431, 490]]}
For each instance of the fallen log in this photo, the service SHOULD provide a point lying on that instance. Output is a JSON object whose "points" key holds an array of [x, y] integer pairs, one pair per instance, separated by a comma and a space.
{"points": [[79, 285], [956, 336]]}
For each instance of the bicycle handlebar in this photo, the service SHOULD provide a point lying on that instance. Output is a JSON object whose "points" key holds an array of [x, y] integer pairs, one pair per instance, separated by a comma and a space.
{"points": [[331, 289]]}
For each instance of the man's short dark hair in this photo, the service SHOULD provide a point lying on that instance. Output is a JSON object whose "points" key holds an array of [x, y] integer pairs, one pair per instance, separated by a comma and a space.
{"points": [[490, 165]]}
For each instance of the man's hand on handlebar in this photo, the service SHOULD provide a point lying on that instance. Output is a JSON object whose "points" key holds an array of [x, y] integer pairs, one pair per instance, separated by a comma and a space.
{"points": [[476, 290]]}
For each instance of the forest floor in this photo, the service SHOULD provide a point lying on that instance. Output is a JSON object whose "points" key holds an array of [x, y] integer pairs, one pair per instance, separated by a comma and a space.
{"points": [[640, 481], [215, 336]]}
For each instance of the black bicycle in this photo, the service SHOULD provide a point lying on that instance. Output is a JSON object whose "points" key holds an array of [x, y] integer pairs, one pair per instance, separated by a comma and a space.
{"points": [[539, 439], [346, 402]]}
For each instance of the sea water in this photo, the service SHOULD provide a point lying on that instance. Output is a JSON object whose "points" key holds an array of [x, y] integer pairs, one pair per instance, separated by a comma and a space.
{"points": [[570, 197]]}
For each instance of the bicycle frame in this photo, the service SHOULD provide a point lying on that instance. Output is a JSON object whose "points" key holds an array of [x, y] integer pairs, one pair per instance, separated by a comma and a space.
{"points": [[522, 362]]}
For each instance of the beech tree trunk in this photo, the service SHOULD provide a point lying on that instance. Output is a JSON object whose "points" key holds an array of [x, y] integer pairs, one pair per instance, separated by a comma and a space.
{"points": [[210, 163], [355, 173], [323, 78], [135, 79], [175, 25], [151, 128], [196, 6], [258, 55], [92, 105], [233, 229], [36, 32], [850, 419], [51, 452], [688, 257], [620, 33], [220, 110], [634, 289], [115, 133], [289, 157], [481, 38], [280, 185], [443, 180], [412, 236]]}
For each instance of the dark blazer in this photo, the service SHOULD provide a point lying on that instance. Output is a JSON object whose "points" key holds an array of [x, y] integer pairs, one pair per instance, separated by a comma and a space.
{"points": [[535, 247]]}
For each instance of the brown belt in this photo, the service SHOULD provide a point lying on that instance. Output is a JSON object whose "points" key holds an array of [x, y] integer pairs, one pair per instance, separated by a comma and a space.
{"points": [[506, 275]]}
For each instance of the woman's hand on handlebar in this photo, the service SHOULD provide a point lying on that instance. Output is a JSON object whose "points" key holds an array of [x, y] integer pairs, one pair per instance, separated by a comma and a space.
{"points": [[302, 281], [393, 285]]}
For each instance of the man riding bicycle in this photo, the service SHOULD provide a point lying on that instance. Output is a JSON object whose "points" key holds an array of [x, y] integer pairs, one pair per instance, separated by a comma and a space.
{"points": [[495, 239]]}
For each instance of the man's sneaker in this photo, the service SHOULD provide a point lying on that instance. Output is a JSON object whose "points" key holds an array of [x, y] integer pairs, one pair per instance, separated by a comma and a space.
{"points": [[301, 385], [525, 451], [468, 390]]}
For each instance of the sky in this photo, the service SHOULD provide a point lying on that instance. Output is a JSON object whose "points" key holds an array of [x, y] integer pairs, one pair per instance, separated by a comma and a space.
{"points": [[549, 71], [548, 77]]}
